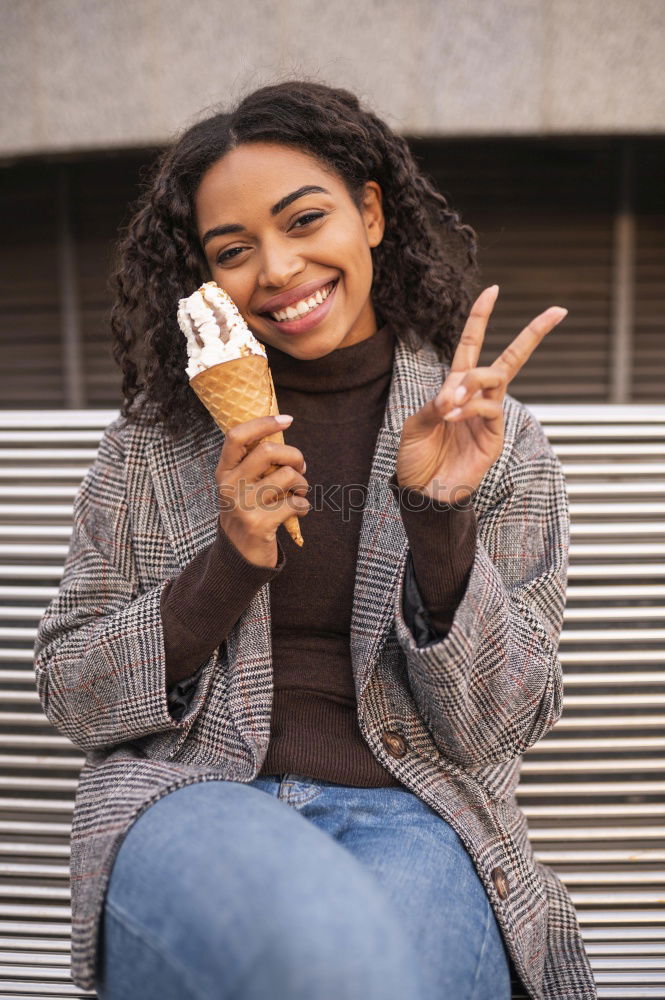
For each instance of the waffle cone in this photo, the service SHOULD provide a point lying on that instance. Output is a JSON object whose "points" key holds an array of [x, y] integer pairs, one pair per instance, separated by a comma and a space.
{"points": [[239, 390]]}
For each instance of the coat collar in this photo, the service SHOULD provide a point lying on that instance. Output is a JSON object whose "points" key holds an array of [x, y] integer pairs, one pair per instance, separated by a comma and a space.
{"points": [[183, 476]]}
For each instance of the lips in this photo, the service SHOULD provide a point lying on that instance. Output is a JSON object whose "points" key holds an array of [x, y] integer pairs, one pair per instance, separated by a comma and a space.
{"points": [[294, 295], [303, 324]]}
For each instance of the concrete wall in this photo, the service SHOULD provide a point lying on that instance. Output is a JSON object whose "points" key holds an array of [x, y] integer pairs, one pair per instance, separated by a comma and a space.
{"points": [[87, 74]]}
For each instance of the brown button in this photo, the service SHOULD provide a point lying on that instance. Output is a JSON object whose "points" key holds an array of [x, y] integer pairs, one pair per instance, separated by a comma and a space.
{"points": [[500, 882], [394, 744]]}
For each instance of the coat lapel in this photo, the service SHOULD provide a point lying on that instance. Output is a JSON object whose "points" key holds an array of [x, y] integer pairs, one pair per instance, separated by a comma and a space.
{"points": [[183, 476], [383, 545]]}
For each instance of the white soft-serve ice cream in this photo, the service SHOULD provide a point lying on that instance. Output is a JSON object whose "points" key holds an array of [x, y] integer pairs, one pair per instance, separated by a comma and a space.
{"points": [[214, 329]]}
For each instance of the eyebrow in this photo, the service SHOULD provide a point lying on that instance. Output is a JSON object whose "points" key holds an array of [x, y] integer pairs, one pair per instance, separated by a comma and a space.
{"points": [[234, 227]]}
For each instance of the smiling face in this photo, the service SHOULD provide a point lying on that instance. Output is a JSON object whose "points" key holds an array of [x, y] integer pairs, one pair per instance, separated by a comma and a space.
{"points": [[267, 239]]}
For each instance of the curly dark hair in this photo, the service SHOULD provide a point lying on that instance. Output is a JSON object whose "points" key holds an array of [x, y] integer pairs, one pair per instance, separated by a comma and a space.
{"points": [[425, 273]]}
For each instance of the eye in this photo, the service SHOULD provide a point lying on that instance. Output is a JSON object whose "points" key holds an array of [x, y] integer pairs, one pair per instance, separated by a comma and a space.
{"points": [[309, 215], [306, 219], [225, 256]]}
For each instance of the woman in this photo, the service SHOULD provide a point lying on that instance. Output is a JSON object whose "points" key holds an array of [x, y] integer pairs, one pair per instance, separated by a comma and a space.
{"points": [[301, 762]]}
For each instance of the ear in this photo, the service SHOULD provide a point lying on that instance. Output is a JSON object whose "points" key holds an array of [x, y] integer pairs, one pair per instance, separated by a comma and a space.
{"points": [[372, 212]]}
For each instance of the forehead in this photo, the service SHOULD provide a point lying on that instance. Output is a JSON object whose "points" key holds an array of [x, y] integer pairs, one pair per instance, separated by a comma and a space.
{"points": [[253, 177]]}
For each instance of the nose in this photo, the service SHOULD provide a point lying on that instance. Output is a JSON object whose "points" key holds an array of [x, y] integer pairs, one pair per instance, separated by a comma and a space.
{"points": [[278, 265]]}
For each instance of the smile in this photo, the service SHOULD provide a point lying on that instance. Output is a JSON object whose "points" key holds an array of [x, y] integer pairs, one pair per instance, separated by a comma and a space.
{"points": [[304, 306], [305, 315]]}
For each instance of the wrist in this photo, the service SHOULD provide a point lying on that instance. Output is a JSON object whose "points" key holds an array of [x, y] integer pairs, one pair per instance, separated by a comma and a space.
{"points": [[259, 552], [417, 498]]}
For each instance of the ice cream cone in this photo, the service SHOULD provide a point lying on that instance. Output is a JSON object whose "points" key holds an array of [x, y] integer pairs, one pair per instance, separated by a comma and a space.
{"points": [[239, 390]]}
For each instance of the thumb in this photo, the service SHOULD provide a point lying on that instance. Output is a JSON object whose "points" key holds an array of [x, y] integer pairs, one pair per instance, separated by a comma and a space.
{"points": [[429, 415]]}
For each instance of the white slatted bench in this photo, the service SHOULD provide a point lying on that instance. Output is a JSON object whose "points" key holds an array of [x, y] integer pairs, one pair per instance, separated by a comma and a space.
{"points": [[592, 789]]}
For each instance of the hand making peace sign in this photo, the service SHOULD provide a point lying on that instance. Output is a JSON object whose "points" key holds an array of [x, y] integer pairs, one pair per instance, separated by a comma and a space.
{"points": [[448, 445]]}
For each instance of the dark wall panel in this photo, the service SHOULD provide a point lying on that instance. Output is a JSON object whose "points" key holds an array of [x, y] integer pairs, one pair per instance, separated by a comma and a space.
{"points": [[31, 369], [544, 211], [649, 336]]}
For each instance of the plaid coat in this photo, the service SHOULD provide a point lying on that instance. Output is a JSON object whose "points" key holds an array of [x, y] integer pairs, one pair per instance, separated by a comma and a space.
{"points": [[449, 719]]}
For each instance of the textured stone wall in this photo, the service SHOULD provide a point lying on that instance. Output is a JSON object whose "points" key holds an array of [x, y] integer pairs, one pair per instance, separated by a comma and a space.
{"points": [[89, 74]]}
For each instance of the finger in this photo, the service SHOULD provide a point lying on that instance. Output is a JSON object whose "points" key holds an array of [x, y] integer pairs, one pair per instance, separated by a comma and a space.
{"points": [[522, 347], [268, 454], [277, 484], [239, 439], [470, 343], [479, 381], [289, 506], [488, 409]]}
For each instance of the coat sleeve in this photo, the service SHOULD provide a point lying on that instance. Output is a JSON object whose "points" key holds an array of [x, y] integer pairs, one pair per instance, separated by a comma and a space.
{"points": [[493, 686], [99, 653]]}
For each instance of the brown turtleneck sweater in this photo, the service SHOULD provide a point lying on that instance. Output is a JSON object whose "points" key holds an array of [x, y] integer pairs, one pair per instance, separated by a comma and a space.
{"points": [[338, 404]]}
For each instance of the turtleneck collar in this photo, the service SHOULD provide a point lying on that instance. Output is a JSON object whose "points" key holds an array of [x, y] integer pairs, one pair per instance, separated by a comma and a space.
{"points": [[343, 369]]}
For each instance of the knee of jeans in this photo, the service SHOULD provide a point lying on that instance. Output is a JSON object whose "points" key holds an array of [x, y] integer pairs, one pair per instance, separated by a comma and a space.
{"points": [[340, 923], [345, 953]]}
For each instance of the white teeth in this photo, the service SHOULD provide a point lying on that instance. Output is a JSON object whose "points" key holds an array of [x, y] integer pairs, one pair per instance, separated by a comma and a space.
{"points": [[301, 308]]}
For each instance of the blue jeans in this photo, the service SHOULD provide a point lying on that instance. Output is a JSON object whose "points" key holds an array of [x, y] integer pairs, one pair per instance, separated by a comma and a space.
{"points": [[291, 888]]}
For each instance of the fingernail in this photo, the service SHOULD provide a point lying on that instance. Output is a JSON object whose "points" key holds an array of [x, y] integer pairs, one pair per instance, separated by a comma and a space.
{"points": [[284, 419], [562, 316], [304, 466], [459, 394], [453, 413]]}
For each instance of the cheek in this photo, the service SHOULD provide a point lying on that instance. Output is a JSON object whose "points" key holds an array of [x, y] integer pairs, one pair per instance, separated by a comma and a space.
{"points": [[346, 249], [233, 285]]}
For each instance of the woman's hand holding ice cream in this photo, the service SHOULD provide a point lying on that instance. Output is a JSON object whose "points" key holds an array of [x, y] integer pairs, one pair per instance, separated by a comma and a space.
{"points": [[447, 446], [253, 500], [228, 370]]}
